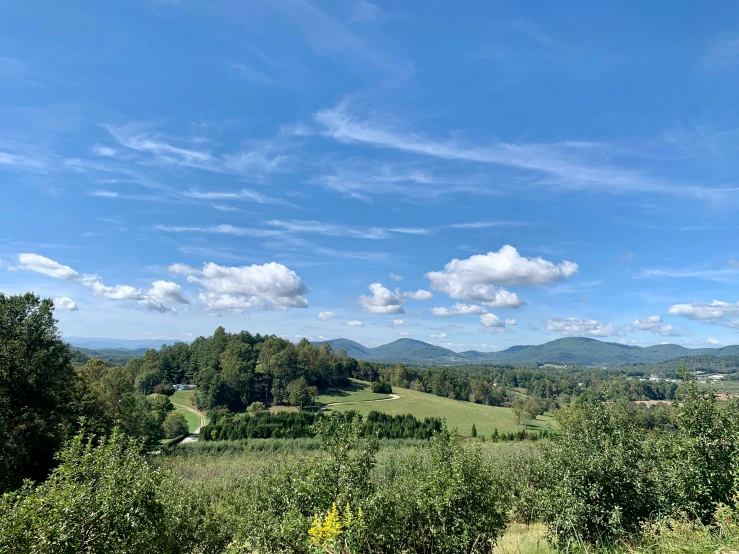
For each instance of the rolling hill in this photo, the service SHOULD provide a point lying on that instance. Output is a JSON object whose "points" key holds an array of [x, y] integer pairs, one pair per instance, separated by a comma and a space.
{"points": [[565, 351]]}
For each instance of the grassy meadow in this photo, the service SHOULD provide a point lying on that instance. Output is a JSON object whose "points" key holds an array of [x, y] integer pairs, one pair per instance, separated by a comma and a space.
{"points": [[458, 414], [356, 391], [181, 400]]}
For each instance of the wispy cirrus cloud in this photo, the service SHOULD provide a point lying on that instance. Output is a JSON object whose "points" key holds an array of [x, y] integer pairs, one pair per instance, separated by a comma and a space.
{"points": [[567, 165], [156, 148]]}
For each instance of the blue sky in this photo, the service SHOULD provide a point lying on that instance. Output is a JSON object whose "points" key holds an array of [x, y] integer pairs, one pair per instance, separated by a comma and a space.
{"points": [[476, 178]]}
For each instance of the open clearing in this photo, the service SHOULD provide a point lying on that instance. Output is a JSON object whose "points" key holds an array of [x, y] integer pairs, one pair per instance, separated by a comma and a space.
{"points": [[458, 414], [356, 391], [181, 402]]}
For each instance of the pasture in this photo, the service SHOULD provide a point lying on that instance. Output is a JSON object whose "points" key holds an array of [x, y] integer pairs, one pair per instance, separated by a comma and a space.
{"points": [[459, 415]]}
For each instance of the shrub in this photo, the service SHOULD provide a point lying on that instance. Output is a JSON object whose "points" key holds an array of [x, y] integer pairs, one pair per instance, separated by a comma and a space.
{"points": [[175, 425], [105, 497], [381, 387]]}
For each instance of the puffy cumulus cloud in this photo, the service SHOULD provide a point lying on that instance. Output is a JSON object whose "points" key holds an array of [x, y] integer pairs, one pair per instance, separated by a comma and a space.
{"points": [[65, 304], [167, 290], [398, 323], [46, 266], [396, 277], [478, 278], [157, 305], [715, 342], [704, 311], [116, 292], [459, 309], [654, 324], [420, 294], [577, 326], [493, 324], [181, 269], [382, 301], [157, 298], [438, 335], [405, 334], [354, 323], [224, 303], [271, 285], [325, 316]]}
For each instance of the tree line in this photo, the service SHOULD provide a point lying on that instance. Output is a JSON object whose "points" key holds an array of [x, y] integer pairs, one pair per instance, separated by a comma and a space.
{"points": [[294, 425], [233, 370]]}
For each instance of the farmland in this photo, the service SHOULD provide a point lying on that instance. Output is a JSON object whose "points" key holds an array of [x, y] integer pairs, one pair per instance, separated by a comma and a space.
{"points": [[459, 415]]}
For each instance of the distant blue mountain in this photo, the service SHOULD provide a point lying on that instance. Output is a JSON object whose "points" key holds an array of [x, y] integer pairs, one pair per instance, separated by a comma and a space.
{"points": [[127, 344], [566, 351]]}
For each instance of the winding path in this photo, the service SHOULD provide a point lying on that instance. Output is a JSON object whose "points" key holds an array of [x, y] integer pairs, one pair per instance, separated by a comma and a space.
{"points": [[392, 397], [196, 433]]}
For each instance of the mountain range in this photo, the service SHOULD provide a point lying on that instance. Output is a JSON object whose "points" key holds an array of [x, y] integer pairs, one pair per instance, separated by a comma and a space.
{"points": [[566, 351], [127, 344]]}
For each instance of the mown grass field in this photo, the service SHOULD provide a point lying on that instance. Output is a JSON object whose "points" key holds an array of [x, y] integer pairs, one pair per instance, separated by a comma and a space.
{"points": [[182, 398], [458, 414], [356, 391]]}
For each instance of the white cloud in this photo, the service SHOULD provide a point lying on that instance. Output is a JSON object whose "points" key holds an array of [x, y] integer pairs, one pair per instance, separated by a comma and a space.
{"points": [[270, 285], [420, 294], [438, 336], [459, 309], [475, 278], [704, 311], [493, 324], [115, 292], [382, 301], [396, 277], [405, 334], [181, 269], [46, 266], [577, 326], [715, 342], [156, 305], [398, 323], [104, 194], [654, 324], [224, 303], [325, 316], [569, 165], [167, 290], [65, 304], [354, 323], [244, 194]]}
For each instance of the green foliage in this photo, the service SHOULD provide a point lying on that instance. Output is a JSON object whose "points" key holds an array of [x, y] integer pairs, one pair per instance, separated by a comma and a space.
{"points": [[39, 391], [603, 477], [263, 424], [175, 425], [298, 393], [256, 407], [381, 387], [104, 497]]}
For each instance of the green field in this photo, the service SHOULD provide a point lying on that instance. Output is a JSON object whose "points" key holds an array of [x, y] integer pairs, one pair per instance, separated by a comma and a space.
{"points": [[458, 414], [182, 398], [193, 421], [356, 391]]}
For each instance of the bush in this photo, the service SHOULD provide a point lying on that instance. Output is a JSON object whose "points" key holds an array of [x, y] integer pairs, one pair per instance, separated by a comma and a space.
{"points": [[445, 499], [604, 477], [105, 497], [381, 387], [598, 476], [175, 425]]}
